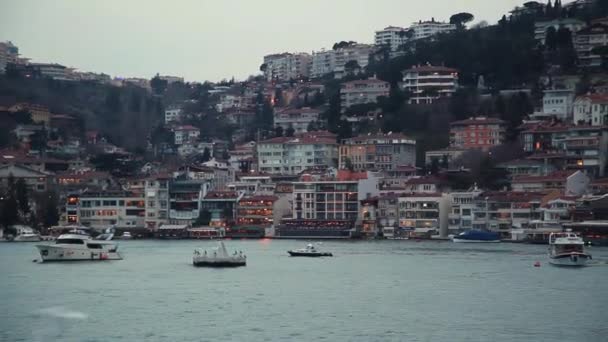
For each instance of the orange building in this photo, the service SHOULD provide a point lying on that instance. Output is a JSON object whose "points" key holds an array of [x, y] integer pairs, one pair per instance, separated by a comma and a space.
{"points": [[477, 132]]}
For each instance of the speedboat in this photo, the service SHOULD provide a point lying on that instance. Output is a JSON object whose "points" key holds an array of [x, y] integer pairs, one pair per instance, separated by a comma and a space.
{"points": [[476, 236], [77, 245], [126, 236], [218, 257], [26, 234], [309, 251], [567, 249]]}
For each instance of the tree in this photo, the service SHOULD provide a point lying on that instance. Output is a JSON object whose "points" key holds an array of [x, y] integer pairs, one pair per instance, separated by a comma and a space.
{"points": [[10, 206], [461, 19], [51, 214], [278, 131], [204, 218], [21, 193], [289, 132], [158, 85], [263, 67], [351, 67], [206, 155], [551, 38], [348, 164]]}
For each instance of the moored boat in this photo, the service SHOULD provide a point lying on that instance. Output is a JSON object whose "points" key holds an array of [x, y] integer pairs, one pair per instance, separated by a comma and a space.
{"points": [[567, 249], [477, 236], [26, 234], [309, 251], [218, 257], [78, 246]]}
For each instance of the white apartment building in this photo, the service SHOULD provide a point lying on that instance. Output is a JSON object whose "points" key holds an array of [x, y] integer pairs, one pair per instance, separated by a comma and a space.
{"points": [[463, 205], [392, 36], [9, 53], [296, 118], [327, 61], [424, 213], [292, 155], [287, 66], [586, 40], [541, 27], [173, 114], [426, 29], [591, 109], [186, 134], [157, 201], [103, 209], [362, 91], [322, 63], [557, 103], [428, 83], [171, 79]]}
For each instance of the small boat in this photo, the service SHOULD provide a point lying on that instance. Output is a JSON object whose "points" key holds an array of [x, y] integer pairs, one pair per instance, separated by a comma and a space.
{"points": [[567, 249], [477, 236], [77, 245], [26, 234], [309, 251], [218, 257], [126, 236]]}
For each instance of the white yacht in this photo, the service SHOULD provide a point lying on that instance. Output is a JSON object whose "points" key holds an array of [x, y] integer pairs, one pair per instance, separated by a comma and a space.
{"points": [[77, 245], [26, 234], [126, 236], [309, 251], [567, 249], [218, 257]]}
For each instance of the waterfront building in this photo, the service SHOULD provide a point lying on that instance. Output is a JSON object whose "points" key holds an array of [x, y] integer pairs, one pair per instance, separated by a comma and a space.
{"points": [[462, 206], [427, 83], [362, 92], [185, 198], [424, 214], [292, 155], [256, 211], [388, 213], [377, 152], [502, 211], [157, 201], [477, 133], [122, 209], [298, 119], [222, 206]]}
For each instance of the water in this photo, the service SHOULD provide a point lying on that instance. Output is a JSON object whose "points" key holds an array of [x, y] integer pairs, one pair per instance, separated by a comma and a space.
{"points": [[370, 291]]}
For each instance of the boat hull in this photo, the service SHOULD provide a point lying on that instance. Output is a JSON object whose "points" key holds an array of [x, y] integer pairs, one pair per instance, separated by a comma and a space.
{"points": [[219, 264], [574, 259], [474, 241], [22, 238], [57, 253], [309, 254]]}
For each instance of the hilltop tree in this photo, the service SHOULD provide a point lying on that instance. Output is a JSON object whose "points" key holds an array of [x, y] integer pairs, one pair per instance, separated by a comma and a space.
{"points": [[461, 19], [158, 85], [263, 67]]}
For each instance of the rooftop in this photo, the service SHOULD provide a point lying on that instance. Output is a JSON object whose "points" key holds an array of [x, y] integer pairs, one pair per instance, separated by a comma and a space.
{"points": [[479, 120]]}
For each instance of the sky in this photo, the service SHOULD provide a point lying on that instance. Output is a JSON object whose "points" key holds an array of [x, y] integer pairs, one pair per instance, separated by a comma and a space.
{"points": [[207, 39]]}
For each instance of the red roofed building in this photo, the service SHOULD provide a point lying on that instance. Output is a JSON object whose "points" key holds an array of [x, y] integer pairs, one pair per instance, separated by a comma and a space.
{"points": [[569, 181], [591, 109], [477, 132], [428, 83]]}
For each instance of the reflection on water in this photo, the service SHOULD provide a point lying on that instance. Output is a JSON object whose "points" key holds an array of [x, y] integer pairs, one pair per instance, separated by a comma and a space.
{"points": [[370, 291]]}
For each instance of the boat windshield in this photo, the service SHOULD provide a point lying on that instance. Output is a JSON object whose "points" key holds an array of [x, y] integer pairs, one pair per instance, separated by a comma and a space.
{"points": [[70, 241]]}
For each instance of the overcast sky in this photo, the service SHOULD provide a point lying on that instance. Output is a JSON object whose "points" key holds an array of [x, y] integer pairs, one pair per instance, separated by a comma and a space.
{"points": [[206, 39]]}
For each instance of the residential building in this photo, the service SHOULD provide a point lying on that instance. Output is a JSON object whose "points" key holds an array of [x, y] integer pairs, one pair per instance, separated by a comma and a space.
{"points": [[40, 114], [526, 167], [233, 101], [424, 214], [185, 198], [462, 205], [322, 63], [101, 210], [541, 27], [557, 103], [477, 132], [448, 154], [173, 114], [501, 211], [171, 79], [422, 185], [36, 180], [54, 71], [256, 211], [362, 92], [392, 37], [298, 119], [186, 134], [388, 212], [240, 117], [222, 206], [586, 40], [377, 152], [430, 28], [292, 155], [9, 54], [591, 109], [397, 177], [356, 52], [428, 83], [157, 201], [287, 66], [78, 181], [569, 181]]}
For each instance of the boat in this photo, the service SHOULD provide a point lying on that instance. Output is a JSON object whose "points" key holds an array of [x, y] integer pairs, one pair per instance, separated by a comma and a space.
{"points": [[77, 245], [126, 236], [26, 234], [218, 257], [309, 251], [567, 249], [477, 236]]}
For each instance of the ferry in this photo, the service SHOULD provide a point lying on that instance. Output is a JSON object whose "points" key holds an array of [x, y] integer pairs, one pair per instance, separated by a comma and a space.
{"points": [[77, 245], [477, 236], [567, 249]]}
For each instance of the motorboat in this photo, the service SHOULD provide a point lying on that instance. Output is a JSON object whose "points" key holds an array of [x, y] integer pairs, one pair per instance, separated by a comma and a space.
{"points": [[567, 249], [126, 236], [26, 234], [309, 251], [218, 257], [78, 245], [477, 236]]}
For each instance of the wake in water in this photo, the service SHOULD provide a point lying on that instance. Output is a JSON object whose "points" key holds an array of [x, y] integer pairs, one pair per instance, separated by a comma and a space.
{"points": [[62, 312]]}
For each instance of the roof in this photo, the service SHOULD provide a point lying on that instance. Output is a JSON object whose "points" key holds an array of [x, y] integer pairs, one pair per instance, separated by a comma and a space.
{"points": [[480, 120], [222, 195], [512, 196], [557, 176], [594, 98], [423, 180], [430, 68], [310, 138], [367, 81], [259, 198], [377, 136], [85, 175], [185, 128]]}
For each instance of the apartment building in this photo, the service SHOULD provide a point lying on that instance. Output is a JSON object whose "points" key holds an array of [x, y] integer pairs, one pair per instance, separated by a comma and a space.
{"points": [[186, 134], [185, 198], [430, 28], [173, 114], [256, 210], [586, 40], [362, 92], [427, 83], [377, 152], [541, 27], [287, 66], [297, 118], [477, 132], [392, 37], [101, 210], [292, 155], [462, 207], [157, 201], [424, 214], [503, 210], [591, 110]]}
